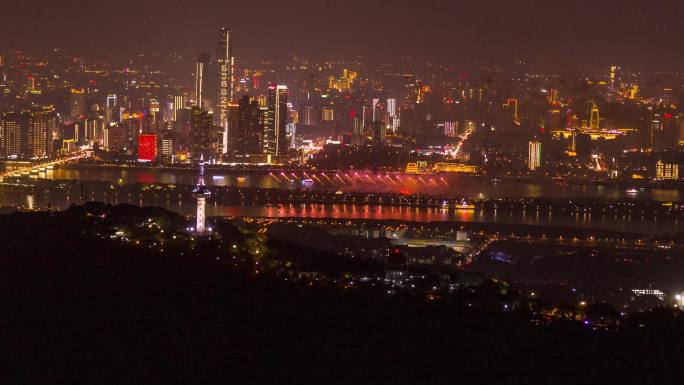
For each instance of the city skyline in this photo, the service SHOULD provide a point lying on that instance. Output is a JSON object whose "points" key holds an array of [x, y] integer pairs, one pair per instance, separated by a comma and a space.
{"points": [[426, 192]]}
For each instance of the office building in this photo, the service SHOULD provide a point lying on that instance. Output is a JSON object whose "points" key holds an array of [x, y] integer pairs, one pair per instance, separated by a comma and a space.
{"points": [[224, 61], [392, 107], [328, 114], [667, 171], [27, 135], [201, 67], [10, 135], [246, 135], [178, 104], [77, 101], [147, 147], [291, 130], [202, 134], [357, 131], [275, 130], [379, 133], [534, 155]]}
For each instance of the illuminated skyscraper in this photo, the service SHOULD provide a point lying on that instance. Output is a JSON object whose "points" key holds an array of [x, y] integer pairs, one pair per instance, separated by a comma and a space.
{"points": [[245, 136], [613, 76], [201, 134], [39, 135], [77, 102], [225, 62], [10, 135], [534, 156], [392, 107], [667, 171], [27, 135], [275, 130], [450, 129], [93, 130], [291, 129], [594, 119], [109, 109], [328, 114], [178, 104], [357, 132], [379, 133], [154, 108], [147, 147], [374, 105], [200, 74], [654, 128]]}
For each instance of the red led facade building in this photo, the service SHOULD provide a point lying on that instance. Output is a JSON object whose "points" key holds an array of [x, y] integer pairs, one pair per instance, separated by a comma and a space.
{"points": [[147, 147]]}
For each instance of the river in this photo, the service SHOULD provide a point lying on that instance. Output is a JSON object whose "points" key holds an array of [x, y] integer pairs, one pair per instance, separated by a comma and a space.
{"points": [[455, 185], [183, 203]]}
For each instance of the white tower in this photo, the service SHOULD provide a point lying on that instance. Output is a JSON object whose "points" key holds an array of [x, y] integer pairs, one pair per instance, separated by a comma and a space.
{"points": [[201, 193]]}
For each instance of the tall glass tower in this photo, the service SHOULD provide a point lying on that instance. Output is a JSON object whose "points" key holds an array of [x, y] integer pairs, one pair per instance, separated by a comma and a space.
{"points": [[203, 60], [275, 130], [225, 63]]}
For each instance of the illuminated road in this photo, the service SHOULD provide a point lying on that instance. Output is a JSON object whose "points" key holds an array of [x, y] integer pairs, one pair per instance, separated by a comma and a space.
{"points": [[37, 167]]}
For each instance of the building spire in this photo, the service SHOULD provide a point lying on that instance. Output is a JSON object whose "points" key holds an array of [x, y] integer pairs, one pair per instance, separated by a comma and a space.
{"points": [[201, 193], [200, 178]]}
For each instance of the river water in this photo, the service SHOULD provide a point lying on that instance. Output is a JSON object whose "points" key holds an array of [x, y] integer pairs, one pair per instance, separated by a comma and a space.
{"points": [[455, 185], [464, 186]]}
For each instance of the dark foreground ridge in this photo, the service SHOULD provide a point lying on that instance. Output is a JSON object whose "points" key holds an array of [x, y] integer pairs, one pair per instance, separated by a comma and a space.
{"points": [[78, 306]]}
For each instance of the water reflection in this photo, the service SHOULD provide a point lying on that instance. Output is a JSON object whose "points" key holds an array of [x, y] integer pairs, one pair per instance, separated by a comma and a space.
{"points": [[469, 186]]}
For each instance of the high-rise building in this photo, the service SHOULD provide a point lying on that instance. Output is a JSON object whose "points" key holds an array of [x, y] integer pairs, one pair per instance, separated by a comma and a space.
{"points": [[147, 147], [246, 136], [168, 112], [275, 130], [291, 130], [374, 105], [224, 60], [328, 114], [10, 135], [553, 96], [167, 147], [201, 67], [27, 135], [594, 118], [178, 104], [654, 128], [613, 76], [38, 143], [154, 108], [77, 101], [309, 118], [357, 131], [450, 129], [379, 132], [534, 156], [110, 107], [667, 171], [114, 137], [201, 134], [392, 107]]}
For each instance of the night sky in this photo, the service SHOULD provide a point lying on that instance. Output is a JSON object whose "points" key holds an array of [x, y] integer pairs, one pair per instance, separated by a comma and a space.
{"points": [[646, 34]]}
